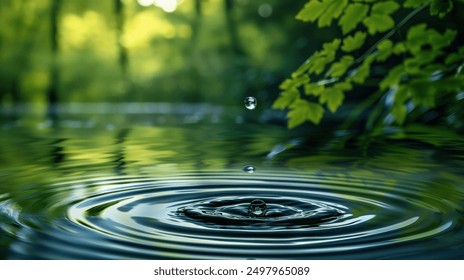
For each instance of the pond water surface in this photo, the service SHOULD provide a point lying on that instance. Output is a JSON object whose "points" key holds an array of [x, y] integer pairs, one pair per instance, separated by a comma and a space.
{"points": [[211, 187]]}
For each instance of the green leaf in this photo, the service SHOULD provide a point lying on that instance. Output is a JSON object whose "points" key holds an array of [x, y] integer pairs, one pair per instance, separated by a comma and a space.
{"points": [[378, 23], [334, 10], [286, 99], [441, 7], [297, 116], [331, 47], [353, 15], [339, 68], [423, 93], [385, 49], [333, 97], [352, 43], [301, 80], [393, 77], [319, 64], [287, 84], [399, 113], [455, 57], [399, 48], [320, 59], [439, 41], [415, 3], [315, 112], [402, 94], [302, 111], [313, 89], [303, 68], [451, 84], [311, 11], [323, 11], [427, 56], [412, 65], [362, 72], [294, 82], [343, 86], [417, 37], [386, 7]]}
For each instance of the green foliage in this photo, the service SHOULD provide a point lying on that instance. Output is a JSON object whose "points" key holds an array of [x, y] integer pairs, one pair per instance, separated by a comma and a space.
{"points": [[379, 19], [421, 66], [353, 16], [339, 68], [323, 11], [354, 42], [302, 111], [441, 7]]}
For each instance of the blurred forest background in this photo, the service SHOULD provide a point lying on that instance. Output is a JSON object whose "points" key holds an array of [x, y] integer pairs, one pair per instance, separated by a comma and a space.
{"points": [[211, 51], [216, 51]]}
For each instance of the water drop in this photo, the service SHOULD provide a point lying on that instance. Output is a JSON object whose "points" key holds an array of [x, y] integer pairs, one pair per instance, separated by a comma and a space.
{"points": [[249, 169], [250, 102], [257, 208]]}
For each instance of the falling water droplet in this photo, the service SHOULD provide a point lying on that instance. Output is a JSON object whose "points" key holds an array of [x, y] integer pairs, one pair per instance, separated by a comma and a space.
{"points": [[250, 102], [249, 169], [257, 208]]}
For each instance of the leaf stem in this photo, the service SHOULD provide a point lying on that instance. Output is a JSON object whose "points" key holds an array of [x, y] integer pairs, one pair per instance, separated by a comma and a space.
{"points": [[391, 33]]}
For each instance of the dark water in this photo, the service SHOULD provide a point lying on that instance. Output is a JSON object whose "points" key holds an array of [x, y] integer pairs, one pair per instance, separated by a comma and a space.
{"points": [[163, 187]]}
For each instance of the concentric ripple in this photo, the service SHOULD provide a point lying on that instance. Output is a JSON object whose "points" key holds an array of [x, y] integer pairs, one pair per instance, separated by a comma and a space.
{"points": [[234, 212], [205, 216]]}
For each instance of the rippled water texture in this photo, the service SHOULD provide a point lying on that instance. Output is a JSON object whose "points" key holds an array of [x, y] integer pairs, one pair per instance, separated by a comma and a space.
{"points": [[150, 191]]}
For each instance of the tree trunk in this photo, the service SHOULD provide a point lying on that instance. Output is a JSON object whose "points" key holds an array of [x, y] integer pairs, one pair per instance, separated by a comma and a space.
{"points": [[196, 22], [232, 28], [193, 51], [123, 57], [52, 94]]}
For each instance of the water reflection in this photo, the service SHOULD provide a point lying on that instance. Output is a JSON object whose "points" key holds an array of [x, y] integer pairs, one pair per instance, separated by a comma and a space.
{"points": [[119, 153], [57, 153], [178, 191]]}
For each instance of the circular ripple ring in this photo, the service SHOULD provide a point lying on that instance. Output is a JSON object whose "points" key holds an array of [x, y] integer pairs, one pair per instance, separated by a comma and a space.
{"points": [[206, 217]]}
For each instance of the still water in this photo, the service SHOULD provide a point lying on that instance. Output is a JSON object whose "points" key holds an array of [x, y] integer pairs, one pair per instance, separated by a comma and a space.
{"points": [[208, 186]]}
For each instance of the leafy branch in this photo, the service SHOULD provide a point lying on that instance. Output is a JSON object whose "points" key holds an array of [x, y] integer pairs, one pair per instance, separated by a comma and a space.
{"points": [[428, 65], [392, 31]]}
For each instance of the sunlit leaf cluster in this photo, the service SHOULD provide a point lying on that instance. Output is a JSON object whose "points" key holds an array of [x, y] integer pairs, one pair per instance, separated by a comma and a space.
{"points": [[422, 63]]}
